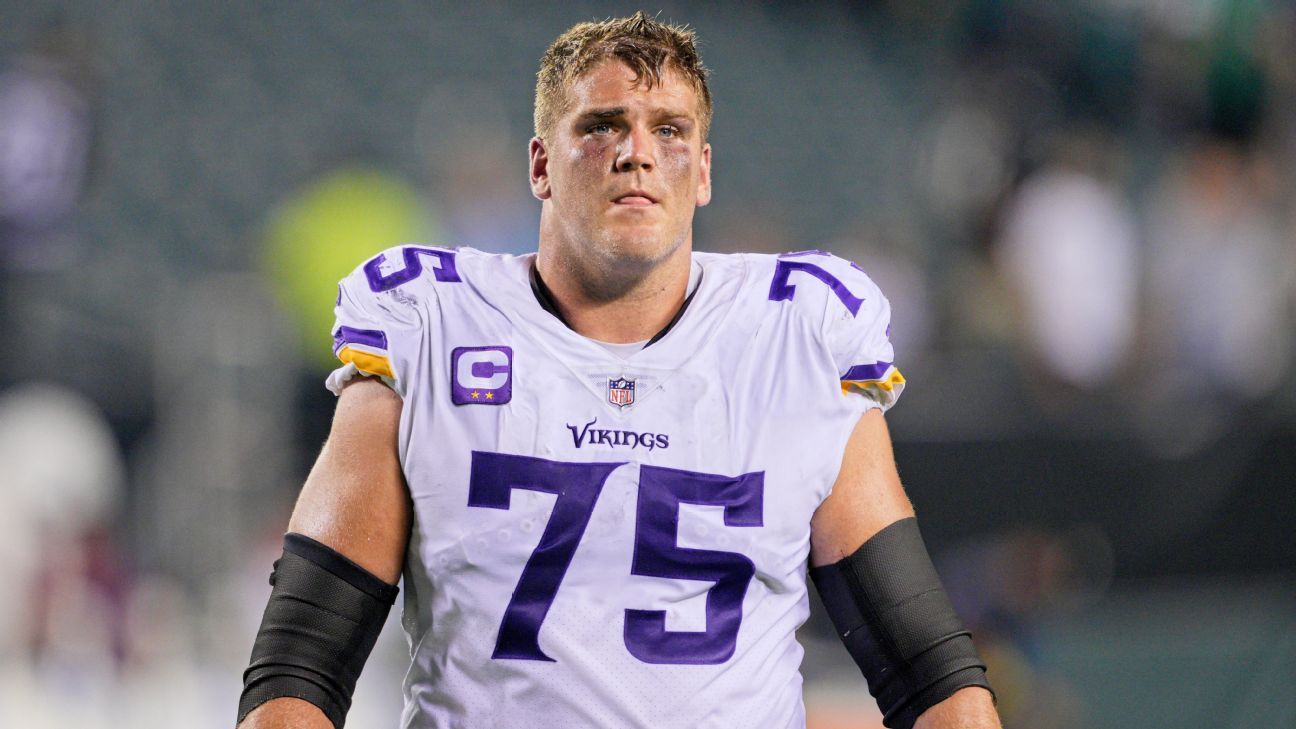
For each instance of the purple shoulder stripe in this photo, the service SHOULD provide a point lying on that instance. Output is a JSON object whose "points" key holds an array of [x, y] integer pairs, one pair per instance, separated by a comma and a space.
{"points": [[875, 371], [349, 335]]}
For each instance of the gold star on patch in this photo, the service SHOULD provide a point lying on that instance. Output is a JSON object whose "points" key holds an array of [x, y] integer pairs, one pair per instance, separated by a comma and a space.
{"points": [[490, 396], [475, 394]]}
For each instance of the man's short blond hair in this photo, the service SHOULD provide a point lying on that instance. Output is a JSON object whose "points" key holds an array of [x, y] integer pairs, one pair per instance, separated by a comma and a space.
{"points": [[647, 46]]}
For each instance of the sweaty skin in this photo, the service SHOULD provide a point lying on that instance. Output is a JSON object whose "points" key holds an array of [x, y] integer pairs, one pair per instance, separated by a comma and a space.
{"points": [[619, 179]]}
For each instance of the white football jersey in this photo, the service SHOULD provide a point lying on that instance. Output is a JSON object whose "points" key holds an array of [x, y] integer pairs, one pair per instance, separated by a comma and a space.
{"points": [[606, 541]]}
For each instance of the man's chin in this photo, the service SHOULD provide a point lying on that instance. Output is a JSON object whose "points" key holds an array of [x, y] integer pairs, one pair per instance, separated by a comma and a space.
{"points": [[618, 260], [643, 249]]}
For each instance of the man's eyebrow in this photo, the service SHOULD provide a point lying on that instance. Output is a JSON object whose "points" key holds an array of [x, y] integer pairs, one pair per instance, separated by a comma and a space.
{"points": [[672, 113], [617, 111], [604, 113]]}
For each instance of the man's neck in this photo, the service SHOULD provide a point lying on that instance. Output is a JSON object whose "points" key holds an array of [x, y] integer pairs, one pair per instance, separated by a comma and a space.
{"points": [[642, 308]]}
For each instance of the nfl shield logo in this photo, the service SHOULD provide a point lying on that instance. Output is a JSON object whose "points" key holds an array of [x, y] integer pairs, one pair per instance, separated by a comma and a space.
{"points": [[621, 391]]}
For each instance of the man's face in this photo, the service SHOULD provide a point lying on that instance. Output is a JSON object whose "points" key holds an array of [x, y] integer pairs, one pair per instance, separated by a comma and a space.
{"points": [[624, 167]]}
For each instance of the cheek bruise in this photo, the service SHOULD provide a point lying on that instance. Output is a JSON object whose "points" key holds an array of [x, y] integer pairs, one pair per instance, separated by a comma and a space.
{"points": [[676, 160], [590, 150], [586, 160]]}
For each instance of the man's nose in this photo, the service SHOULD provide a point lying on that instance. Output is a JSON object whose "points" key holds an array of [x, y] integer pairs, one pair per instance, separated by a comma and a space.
{"points": [[635, 152]]}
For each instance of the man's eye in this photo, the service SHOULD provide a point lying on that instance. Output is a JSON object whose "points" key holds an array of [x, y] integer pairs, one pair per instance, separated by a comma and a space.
{"points": [[600, 129], [668, 132]]}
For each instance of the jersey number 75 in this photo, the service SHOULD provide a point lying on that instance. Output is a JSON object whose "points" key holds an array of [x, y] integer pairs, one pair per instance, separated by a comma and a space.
{"points": [[656, 551]]}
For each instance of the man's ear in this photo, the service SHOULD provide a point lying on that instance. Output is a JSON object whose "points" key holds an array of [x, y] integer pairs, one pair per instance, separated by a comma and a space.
{"points": [[704, 177], [539, 169]]}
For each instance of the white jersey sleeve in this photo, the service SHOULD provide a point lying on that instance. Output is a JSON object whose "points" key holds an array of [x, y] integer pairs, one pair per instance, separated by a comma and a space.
{"points": [[377, 326], [856, 328]]}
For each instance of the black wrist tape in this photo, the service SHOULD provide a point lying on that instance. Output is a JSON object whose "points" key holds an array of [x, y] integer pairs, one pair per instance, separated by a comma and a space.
{"points": [[890, 610], [321, 623]]}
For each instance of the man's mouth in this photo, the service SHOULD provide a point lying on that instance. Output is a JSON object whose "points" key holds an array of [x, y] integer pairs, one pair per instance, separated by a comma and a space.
{"points": [[635, 198]]}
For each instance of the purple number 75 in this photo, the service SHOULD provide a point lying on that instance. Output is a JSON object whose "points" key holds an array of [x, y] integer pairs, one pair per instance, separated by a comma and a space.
{"points": [[656, 554]]}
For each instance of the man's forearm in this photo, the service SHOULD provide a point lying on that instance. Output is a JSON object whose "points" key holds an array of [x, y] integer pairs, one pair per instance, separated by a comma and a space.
{"points": [[286, 713], [968, 708]]}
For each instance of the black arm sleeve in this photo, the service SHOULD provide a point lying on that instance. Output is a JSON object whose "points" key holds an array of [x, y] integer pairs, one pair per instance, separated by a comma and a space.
{"points": [[323, 619], [890, 610]]}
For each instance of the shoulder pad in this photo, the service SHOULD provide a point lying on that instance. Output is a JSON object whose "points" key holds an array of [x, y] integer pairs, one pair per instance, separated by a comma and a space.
{"points": [[854, 316], [380, 306]]}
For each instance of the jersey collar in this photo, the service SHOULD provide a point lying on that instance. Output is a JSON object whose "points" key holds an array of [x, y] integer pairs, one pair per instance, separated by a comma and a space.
{"points": [[506, 283], [545, 298]]}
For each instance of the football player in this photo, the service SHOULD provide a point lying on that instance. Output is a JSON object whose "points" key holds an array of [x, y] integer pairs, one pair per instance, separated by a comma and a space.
{"points": [[604, 468]]}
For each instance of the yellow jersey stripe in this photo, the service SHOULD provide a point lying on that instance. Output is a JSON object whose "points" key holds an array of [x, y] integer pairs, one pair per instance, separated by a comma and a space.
{"points": [[892, 380], [374, 364]]}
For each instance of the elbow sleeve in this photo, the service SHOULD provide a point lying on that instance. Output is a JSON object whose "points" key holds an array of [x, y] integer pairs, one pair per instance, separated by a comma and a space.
{"points": [[889, 608], [323, 618]]}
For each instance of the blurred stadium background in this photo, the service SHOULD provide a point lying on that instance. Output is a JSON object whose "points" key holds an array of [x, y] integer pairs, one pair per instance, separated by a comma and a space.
{"points": [[1082, 212]]}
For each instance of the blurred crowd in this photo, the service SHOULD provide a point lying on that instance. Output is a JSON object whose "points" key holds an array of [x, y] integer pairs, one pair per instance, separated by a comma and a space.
{"points": [[1084, 215]]}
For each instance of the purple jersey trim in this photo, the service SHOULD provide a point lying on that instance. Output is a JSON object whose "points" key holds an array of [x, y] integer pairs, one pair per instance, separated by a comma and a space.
{"points": [[367, 337], [875, 371]]}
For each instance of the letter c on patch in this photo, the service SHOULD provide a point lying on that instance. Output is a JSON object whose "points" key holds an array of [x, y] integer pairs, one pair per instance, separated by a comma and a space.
{"points": [[481, 375]]}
